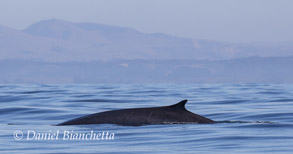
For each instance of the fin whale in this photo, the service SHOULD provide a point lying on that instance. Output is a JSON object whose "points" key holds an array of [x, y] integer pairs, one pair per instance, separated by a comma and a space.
{"points": [[173, 114]]}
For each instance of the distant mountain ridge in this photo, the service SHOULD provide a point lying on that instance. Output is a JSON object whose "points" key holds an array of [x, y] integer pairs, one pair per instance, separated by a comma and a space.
{"points": [[58, 51], [63, 41]]}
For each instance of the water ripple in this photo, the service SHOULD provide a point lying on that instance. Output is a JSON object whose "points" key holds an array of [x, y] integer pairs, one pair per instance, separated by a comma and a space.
{"points": [[254, 118]]}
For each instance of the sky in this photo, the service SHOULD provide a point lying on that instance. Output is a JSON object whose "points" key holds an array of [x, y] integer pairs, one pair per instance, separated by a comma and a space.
{"points": [[222, 20]]}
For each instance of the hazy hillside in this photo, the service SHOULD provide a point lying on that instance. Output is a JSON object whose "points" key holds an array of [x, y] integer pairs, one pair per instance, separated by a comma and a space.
{"points": [[63, 41], [57, 51], [57, 40]]}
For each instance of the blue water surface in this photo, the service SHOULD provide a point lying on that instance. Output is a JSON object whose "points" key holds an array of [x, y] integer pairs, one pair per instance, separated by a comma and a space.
{"points": [[259, 118]]}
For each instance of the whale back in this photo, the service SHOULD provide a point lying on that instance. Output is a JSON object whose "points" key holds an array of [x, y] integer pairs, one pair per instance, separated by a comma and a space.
{"points": [[172, 114]]}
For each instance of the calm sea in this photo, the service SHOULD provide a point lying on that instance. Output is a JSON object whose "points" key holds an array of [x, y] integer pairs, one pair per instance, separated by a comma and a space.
{"points": [[260, 118]]}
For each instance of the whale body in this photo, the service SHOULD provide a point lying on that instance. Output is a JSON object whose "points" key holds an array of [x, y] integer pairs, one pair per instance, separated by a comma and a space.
{"points": [[173, 114]]}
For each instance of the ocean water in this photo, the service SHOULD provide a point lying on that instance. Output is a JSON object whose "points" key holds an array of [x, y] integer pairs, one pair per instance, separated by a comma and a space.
{"points": [[258, 118]]}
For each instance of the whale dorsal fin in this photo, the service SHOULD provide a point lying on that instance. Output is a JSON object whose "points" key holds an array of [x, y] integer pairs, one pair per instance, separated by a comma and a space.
{"points": [[180, 105]]}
